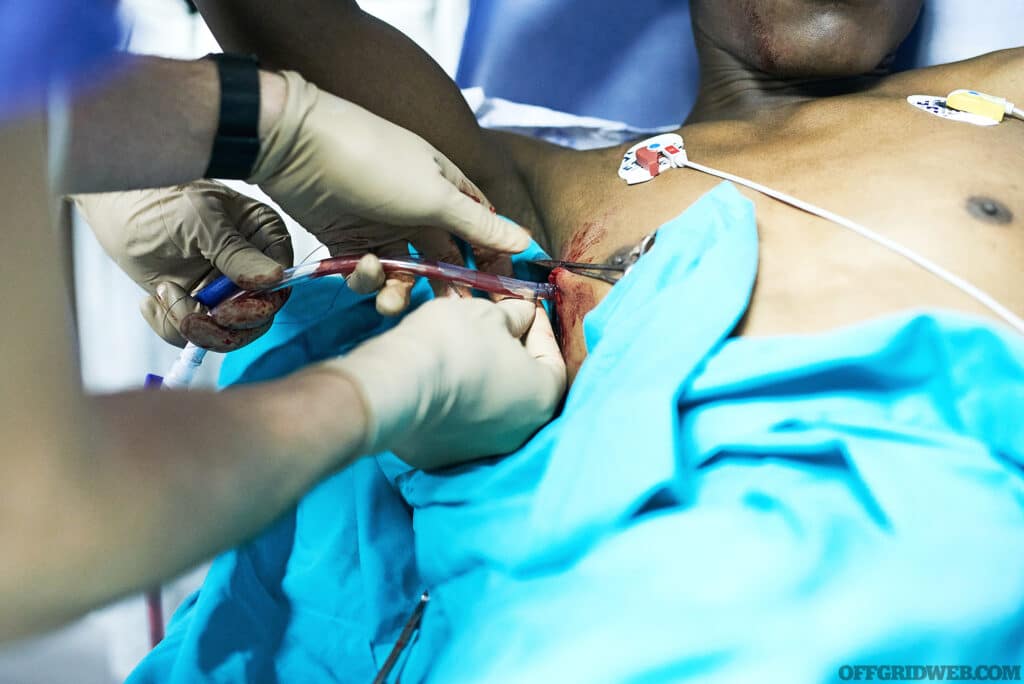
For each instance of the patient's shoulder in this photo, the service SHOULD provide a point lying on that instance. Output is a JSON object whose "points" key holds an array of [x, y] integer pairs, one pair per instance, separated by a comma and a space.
{"points": [[998, 73]]}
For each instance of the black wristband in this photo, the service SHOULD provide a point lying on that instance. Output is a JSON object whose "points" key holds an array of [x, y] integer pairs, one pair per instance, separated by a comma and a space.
{"points": [[237, 144]]}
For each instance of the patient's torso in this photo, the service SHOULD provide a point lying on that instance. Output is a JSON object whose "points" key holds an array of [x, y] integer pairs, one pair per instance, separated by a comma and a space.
{"points": [[951, 191]]}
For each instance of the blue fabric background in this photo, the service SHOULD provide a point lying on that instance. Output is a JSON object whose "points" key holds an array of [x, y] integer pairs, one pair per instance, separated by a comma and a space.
{"points": [[706, 508]]}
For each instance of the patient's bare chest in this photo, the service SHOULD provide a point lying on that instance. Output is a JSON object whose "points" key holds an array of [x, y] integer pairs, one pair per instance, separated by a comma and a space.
{"points": [[951, 192]]}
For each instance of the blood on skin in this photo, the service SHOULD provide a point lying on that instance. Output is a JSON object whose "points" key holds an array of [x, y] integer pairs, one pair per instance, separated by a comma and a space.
{"points": [[574, 299], [583, 240], [575, 296]]}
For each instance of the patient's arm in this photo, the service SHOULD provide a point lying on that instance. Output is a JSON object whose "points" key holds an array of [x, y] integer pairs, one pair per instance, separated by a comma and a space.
{"points": [[355, 56]]}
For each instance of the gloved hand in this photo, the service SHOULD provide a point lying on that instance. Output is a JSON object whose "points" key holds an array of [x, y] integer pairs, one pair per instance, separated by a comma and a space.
{"points": [[173, 241], [360, 183], [453, 381]]}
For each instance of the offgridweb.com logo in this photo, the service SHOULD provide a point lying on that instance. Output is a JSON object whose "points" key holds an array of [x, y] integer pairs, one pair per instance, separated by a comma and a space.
{"points": [[940, 673]]}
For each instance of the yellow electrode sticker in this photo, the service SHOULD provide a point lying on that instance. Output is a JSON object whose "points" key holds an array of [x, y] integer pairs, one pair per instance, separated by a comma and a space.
{"points": [[937, 106]]}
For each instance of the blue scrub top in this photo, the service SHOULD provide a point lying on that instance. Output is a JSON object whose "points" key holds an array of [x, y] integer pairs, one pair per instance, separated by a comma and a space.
{"points": [[52, 41]]}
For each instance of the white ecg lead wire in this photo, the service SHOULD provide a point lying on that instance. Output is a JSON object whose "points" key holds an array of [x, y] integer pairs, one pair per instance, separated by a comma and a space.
{"points": [[971, 290]]}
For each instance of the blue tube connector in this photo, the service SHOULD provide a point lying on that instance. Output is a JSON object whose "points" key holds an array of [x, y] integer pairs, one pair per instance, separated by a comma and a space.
{"points": [[216, 292]]}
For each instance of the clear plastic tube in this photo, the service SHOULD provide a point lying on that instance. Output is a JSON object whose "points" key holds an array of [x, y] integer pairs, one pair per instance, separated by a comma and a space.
{"points": [[434, 270], [183, 371]]}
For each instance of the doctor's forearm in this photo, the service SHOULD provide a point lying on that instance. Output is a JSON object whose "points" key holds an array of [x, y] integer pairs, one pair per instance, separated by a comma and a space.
{"points": [[167, 480], [152, 125], [103, 496]]}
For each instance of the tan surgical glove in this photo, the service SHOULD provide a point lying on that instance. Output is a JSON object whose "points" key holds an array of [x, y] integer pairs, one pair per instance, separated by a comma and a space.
{"points": [[173, 241], [360, 183], [453, 381]]}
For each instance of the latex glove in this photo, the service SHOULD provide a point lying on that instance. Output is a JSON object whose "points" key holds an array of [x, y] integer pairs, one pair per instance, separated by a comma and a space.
{"points": [[360, 183], [453, 381], [173, 241]]}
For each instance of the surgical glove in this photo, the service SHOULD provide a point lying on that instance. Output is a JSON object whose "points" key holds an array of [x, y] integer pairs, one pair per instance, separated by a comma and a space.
{"points": [[174, 241], [453, 381], [360, 183]]}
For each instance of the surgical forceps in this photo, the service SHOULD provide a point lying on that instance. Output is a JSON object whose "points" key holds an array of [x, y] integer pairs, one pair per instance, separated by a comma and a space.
{"points": [[612, 272]]}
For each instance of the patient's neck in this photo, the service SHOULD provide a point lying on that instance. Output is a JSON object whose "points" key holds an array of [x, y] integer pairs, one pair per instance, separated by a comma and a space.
{"points": [[731, 89]]}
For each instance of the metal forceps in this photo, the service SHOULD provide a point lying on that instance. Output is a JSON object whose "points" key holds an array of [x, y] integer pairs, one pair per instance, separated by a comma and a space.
{"points": [[611, 272]]}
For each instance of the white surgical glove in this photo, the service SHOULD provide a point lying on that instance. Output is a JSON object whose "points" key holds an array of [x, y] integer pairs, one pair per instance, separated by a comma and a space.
{"points": [[360, 183], [173, 241], [454, 381]]}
